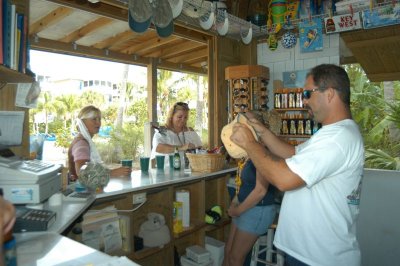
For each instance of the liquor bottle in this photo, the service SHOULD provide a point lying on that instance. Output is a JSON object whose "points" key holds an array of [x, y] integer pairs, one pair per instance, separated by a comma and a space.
{"points": [[177, 159], [308, 127], [299, 98], [292, 129], [285, 129], [300, 126], [277, 97], [292, 100]]}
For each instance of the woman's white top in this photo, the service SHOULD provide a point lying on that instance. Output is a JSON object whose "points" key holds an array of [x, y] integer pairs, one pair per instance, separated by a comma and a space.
{"points": [[171, 138]]}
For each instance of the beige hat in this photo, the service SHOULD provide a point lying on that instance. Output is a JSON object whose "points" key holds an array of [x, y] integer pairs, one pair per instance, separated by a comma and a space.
{"points": [[233, 149]]}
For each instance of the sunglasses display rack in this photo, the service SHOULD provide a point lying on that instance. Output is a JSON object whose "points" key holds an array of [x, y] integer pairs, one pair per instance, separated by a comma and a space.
{"points": [[247, 89]]}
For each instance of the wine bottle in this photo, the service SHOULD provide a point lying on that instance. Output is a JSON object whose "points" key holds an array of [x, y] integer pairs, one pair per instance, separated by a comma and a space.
{"points": [[177, 159]]}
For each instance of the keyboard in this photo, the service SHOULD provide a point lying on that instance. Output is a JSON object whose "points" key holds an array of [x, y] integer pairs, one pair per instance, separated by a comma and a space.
{"points": [[35, 165]]}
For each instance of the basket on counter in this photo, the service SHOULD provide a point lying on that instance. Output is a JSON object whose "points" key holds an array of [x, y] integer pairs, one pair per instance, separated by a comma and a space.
{"points": [[209, 162]]}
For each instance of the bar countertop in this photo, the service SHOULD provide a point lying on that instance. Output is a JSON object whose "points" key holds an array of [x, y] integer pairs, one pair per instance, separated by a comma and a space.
{"points": [[154, 178]]}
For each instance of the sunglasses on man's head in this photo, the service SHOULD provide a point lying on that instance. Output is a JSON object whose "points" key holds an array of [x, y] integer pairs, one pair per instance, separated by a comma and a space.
{"points": [[307, 93]]}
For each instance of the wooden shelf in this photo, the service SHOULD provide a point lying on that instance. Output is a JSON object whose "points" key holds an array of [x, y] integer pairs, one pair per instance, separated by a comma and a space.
{"points": [[195, 226], [146, 252], [12, 76], [289, 109], [295, 136], [218, 225]]}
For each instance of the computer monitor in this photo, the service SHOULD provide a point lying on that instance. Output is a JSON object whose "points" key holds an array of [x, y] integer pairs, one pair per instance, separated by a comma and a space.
{"points": [[11, 128]]}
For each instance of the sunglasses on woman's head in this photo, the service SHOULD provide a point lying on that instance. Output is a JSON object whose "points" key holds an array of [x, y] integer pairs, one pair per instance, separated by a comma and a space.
{"points": [[307, 93], [181, 104]]}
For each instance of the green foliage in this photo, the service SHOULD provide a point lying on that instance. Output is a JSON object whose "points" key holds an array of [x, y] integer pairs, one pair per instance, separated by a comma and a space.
{"points": [[378, 119], [55, 125], [63, 137], [91, 97], [138, 111], [377, 158], [394, 112], [125, 142], [109, 115]]}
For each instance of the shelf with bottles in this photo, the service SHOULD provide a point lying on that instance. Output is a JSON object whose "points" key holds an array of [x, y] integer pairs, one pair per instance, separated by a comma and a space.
{"points": [[298, 125], [247, 89], [288, 99]]}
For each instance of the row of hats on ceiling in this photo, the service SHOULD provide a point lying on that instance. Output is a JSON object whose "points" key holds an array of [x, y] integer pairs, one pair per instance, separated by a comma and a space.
{"points": [[162, 12]]}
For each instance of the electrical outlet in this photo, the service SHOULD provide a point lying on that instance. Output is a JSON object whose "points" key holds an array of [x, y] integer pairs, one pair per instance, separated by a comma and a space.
{"points": [[139, 198]]}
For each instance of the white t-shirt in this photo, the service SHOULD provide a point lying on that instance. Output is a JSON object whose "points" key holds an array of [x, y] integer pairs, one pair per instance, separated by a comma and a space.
{"points": [[317, 223], [171, 138]]}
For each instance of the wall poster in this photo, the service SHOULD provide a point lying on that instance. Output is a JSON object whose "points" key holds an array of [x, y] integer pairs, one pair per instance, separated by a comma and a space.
{"points": [[310, 32]]}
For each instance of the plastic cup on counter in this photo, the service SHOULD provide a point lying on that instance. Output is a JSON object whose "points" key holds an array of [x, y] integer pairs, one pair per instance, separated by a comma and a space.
{"points": [[127, 163], [160, 159], [171, 161], [144, 164]]}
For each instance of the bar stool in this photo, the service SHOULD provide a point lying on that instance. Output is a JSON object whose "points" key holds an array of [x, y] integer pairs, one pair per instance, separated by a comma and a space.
{"points": [[264, 244]]}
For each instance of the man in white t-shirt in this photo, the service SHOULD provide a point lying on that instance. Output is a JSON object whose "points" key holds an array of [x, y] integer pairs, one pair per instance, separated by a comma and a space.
{"points": [[321, 177]]}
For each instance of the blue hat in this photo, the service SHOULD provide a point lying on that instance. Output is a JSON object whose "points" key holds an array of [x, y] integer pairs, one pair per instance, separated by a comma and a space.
{"points": [[136, 26], [166, 31]]}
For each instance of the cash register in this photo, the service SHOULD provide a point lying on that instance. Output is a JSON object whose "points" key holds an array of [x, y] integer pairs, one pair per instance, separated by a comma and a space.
{"points": [[23, 181], [29, 181]]}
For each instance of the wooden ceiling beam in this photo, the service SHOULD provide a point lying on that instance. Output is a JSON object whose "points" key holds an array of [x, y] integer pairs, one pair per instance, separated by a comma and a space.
{"points": [[115, 40], [85, 51], [101, 9], [182, 68], [373, 42], [196, 61], [91, 27], [150, 44], [379, 77], [50, 19], [190, 56], [183, 48], [159, 51]]}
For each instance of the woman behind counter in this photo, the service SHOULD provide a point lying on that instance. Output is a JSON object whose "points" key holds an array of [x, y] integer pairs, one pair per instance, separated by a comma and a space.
{"points": [[176, 133], [82, 148]]}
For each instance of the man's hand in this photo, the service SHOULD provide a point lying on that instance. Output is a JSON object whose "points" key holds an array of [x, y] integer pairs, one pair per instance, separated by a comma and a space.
{"points": [[241, 135]]}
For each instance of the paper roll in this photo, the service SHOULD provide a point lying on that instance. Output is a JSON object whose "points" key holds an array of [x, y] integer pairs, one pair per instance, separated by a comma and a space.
{"points": [[184, 197], [55, 200]]}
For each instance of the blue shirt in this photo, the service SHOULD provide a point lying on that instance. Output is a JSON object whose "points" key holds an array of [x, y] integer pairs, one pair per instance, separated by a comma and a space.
{"points": [[248, 177]]}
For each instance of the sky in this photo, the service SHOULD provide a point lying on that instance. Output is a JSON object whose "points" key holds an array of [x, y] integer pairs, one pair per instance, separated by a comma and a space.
{"points": [[60, 66]]}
